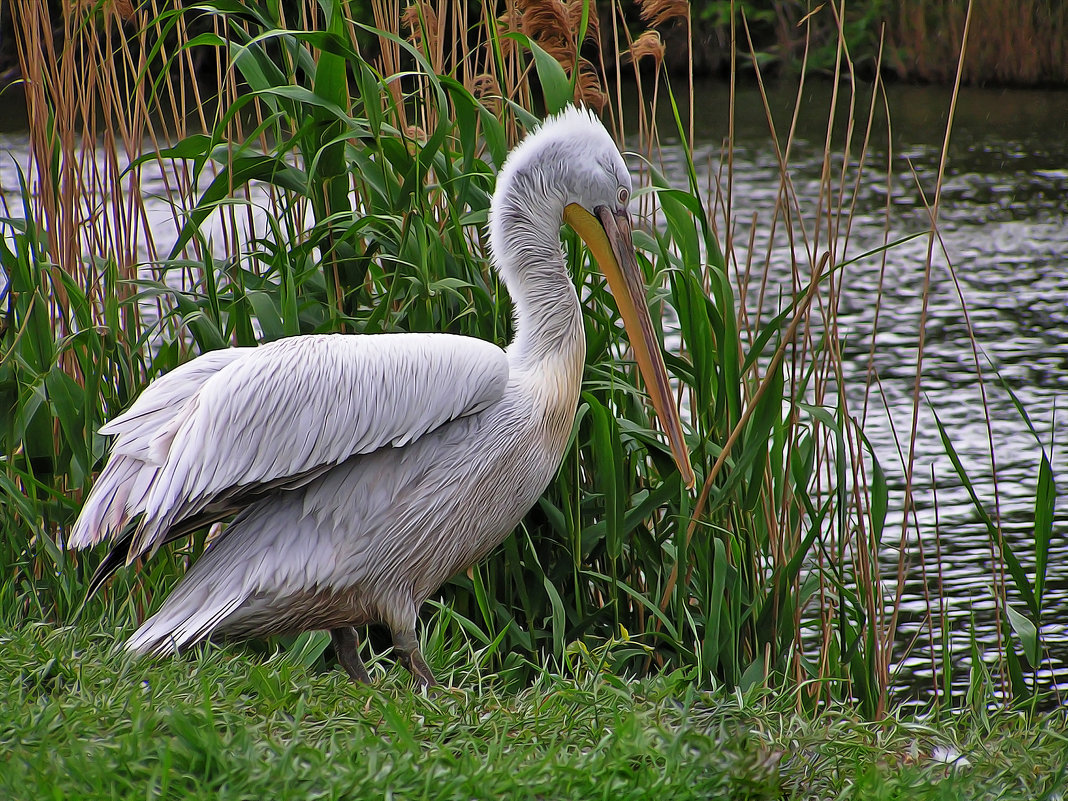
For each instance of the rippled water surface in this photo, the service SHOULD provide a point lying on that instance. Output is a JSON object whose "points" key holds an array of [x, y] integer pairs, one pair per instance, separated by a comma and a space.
{"points": [[1003, 222]]}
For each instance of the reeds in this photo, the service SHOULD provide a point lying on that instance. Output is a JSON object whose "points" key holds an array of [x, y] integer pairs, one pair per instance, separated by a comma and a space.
{"points": [[1014, 43], [310, 187]]}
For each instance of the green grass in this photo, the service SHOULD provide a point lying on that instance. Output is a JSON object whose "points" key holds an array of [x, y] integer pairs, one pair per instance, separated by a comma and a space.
{"points": [[84, 722]]}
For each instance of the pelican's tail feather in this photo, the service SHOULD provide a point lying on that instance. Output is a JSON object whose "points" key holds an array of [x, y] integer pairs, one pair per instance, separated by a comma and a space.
{"points": [[177, 627], [203, 600]]}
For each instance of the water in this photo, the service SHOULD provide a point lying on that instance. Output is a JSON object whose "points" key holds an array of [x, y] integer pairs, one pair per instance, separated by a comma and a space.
{"points": [[1003, 225], [1004, 229]]}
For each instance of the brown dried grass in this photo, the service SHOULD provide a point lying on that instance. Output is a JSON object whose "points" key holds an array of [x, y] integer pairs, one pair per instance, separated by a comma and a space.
{"points": [[85, 84], [658, 12], [1013, 43]]}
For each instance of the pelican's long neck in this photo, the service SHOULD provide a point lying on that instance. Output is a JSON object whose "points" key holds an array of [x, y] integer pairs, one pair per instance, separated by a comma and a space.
{"points": [[525, 239]]}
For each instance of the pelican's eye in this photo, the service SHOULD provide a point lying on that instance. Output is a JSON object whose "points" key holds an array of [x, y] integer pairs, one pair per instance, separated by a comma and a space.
{"points": [[623, 196]]}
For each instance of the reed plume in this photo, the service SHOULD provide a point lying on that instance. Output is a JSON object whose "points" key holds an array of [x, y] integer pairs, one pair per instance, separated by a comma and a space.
{"points": [[555, 26], [657, 12], [421, 20], [648, 45]]}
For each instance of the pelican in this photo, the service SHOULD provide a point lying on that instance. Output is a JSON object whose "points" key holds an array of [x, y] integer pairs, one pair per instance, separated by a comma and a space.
{"points": [[367, 470]]}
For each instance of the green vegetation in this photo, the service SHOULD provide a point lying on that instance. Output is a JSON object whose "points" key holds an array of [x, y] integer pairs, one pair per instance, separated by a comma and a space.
{"points": [[81, 722], [314, 188]]}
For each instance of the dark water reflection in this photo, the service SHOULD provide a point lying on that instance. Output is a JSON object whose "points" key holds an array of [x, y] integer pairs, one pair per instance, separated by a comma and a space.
{"points": [[1004, 229]]}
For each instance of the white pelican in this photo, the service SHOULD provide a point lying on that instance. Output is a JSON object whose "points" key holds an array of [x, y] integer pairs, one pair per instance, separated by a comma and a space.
{"points": [[367, 470]]}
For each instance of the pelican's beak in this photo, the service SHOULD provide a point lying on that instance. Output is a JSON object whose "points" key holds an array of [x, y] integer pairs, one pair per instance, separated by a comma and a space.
{"points": [[608, 236]]}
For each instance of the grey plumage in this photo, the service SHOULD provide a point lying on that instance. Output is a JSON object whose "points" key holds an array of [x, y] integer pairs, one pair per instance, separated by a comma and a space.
{"points": [[365, 470]]}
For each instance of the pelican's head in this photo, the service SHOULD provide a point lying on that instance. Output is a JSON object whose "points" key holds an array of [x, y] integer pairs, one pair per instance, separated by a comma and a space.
{"points": [[570, 159], [570, 170]]}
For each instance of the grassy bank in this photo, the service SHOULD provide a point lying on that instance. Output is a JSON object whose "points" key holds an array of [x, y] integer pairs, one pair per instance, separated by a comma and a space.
{"points": [[83, 723]]}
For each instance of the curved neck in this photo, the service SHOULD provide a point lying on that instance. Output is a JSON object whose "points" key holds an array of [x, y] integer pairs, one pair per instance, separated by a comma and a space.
{"points": [[525, 238]]}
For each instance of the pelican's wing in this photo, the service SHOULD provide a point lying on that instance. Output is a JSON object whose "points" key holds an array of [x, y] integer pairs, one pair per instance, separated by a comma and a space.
{"points": [[239, 421], [121, 488]]}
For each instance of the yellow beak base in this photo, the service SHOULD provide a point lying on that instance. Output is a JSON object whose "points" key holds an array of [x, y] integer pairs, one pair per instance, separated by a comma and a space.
{"points": [[608, 236]]}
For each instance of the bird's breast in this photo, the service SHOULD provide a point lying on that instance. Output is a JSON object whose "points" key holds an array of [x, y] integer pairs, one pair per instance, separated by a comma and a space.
{"points": [[509, 455], [553, 389]]}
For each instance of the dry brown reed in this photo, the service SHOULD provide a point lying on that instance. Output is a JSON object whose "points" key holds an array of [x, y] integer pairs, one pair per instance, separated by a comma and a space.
{"points": [[658, 12], [483, 54], [556, 27], [88, 120], [1012, 43], [648, 45], [820, 240]]}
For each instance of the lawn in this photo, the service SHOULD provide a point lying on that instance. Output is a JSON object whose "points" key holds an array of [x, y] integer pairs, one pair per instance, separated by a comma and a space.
{"points": [[82, 721]]}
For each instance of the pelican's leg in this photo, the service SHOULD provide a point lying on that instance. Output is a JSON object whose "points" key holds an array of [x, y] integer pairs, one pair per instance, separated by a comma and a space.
{"points": [[406, 647], [347, 648]]}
